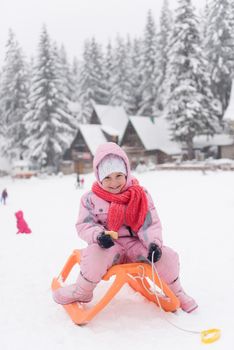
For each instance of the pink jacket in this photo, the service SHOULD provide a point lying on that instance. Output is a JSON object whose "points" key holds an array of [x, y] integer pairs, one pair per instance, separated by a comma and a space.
{"points": [[21, 223], [93, 212]]}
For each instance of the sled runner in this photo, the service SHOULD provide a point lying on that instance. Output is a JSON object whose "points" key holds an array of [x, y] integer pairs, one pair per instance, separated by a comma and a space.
{"points": [[137, 275]]}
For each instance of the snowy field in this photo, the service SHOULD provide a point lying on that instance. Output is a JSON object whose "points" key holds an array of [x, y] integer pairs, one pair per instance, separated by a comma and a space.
{"points": [[197, 213]]}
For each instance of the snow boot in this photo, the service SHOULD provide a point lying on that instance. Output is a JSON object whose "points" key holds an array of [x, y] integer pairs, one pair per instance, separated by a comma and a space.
{"points": [[81, 291], [187, 303]]}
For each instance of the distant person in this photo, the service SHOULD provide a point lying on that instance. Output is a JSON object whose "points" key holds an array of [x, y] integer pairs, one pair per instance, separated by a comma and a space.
{"points": [[4, 196], [78, 180], [120, 224]]}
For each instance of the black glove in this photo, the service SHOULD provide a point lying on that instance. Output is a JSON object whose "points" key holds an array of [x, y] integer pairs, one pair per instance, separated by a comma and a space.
{"points": [[105, 241], [154, 248]]}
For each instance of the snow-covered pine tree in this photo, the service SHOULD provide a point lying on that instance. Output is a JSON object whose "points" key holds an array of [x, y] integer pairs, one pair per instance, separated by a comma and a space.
{"points": [[50, 128], [86, 92], [219, 46], [121, 83], [101, 93], [190, 107], [231, 21], [13, 98], [134, 54], [108, 67], [165, 31], [66, 74], [148, 86], [203, 19], [2, 123], [92, 79], [75, 72], [69, 81], [136, 74]]}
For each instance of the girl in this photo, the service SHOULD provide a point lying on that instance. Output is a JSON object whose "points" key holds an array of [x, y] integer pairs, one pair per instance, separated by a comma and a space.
{"points": [[117, 203]]}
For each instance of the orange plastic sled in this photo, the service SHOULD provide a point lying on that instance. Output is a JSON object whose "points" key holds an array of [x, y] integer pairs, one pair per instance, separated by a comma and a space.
{"points": [[124, 273]]}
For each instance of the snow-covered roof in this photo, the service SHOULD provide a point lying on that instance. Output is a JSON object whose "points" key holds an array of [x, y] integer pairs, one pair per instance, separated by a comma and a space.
{"points": [[216, 140], [93, 136], [109, 130], [229, 113], [163, 137], [145, 130], [112, 116], [155, 134]]}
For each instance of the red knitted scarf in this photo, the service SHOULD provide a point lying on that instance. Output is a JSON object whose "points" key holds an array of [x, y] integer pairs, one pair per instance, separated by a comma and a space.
{"points": [[129, 207]]}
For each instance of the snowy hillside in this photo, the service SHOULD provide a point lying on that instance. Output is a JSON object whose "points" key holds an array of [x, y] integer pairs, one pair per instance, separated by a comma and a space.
{"points": [[197, 215]]}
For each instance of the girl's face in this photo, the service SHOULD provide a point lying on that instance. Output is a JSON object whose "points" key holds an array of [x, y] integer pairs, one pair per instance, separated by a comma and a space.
{"points": [[114, 182]]}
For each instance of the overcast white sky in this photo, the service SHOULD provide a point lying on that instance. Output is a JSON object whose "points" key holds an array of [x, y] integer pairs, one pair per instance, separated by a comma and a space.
{"points": [[72, 21]]}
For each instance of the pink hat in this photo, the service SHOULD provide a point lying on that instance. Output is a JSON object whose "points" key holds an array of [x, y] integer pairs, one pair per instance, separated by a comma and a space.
{"points": [[111, 164]]}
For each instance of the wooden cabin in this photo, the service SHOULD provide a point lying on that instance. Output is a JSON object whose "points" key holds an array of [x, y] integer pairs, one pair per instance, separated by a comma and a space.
{"points": [[217, 146], [147, 139], [84, 146]]}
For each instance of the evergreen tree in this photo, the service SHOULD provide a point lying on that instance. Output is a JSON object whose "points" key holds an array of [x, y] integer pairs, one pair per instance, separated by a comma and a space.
{"points": [[92, 80], [108, 67], [74, 103], [219, 48], [148, 68], [86, 92], [50, 128], [66, 74], [191, 108], [75, 73], [231, 21], [121, 88], [203, 19], [136, 75], [97, 69], [165, 32], [2, 123], [68, 81], [13, 97]]}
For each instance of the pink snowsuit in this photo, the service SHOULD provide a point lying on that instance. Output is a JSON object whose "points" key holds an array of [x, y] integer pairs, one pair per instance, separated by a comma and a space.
{"points": [[130, 246], [21, 223]]}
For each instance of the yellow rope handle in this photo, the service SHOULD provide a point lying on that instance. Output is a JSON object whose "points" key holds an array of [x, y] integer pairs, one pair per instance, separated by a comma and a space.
{"points": [[207, 336], [210, 335]]}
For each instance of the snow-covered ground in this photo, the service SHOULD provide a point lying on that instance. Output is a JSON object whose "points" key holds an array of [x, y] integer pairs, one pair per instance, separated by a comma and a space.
{"points": [[197, 212]]}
